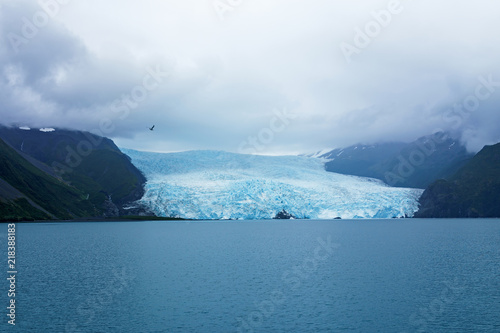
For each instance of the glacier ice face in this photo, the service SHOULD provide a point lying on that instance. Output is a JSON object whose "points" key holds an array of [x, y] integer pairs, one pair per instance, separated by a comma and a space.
{"points": [[221, 185]]}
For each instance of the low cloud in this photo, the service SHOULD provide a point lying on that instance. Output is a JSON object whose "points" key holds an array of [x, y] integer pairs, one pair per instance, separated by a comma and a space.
{"points": [[227, 77]]}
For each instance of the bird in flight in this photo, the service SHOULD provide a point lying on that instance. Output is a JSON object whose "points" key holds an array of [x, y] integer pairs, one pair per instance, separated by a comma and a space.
{"points": [[152, 128]]}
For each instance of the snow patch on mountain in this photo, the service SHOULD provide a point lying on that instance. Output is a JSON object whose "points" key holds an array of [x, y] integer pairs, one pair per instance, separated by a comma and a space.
{"points": [[221, 185]]}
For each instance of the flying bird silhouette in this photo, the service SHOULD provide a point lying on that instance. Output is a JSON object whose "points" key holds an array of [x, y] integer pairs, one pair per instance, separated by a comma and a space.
{"points": [[152, 128]]}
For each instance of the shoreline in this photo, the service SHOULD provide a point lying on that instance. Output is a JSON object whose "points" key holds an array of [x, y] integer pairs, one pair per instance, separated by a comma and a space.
{"points": [[102, 219], [157, 218]]}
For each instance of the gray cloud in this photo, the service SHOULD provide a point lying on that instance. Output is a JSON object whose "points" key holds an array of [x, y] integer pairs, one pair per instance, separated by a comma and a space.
{"points": [[226, 79]]}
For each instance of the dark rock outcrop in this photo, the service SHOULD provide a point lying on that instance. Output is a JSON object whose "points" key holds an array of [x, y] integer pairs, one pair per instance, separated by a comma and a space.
{"points": [[284, 215], [474, 191]]}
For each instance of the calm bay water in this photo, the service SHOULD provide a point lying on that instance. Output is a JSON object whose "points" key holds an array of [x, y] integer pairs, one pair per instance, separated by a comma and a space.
{"points": [[265, 276]]}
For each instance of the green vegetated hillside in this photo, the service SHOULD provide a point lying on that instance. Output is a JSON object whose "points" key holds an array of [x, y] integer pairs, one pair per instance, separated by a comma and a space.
{"points": [[53, 197], [474, 191], [21, 210], [66, 173]]}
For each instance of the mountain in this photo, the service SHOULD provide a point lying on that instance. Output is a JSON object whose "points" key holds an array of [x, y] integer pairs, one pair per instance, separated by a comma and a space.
{"points": [[362, 160], [90, 166], [473, 191], [26, 192], [416, 164], [221, 185]]}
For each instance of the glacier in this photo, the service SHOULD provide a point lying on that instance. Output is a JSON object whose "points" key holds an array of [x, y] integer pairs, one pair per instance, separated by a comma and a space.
{"points": [[210, 185]]}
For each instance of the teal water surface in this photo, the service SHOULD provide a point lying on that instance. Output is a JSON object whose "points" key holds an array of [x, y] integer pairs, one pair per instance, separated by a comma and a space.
{"points": [[257, 276]]}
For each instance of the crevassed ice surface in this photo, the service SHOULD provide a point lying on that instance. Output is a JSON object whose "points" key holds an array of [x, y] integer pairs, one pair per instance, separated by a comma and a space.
{"points": [[221, 185]]}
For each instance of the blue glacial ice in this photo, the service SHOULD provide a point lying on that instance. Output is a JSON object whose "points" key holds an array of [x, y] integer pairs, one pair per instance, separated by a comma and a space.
{"points": [[221, 185]]}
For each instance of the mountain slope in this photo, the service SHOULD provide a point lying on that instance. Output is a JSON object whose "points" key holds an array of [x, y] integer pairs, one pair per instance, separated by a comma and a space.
{"points": [[90, 163], [416, 164], [25, 190], [220, 185], [474, 191], [362, 160]]}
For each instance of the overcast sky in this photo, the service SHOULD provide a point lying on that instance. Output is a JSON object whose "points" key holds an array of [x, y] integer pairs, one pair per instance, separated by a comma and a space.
{"points": [[254, 76]]}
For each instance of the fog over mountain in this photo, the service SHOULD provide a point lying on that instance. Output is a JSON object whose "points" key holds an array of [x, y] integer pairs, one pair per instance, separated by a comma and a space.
{"points": [[268, 77]]}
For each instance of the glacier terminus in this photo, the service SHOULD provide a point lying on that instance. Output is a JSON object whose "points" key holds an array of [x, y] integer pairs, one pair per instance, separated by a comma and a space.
{"points": [[209, 185]]}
